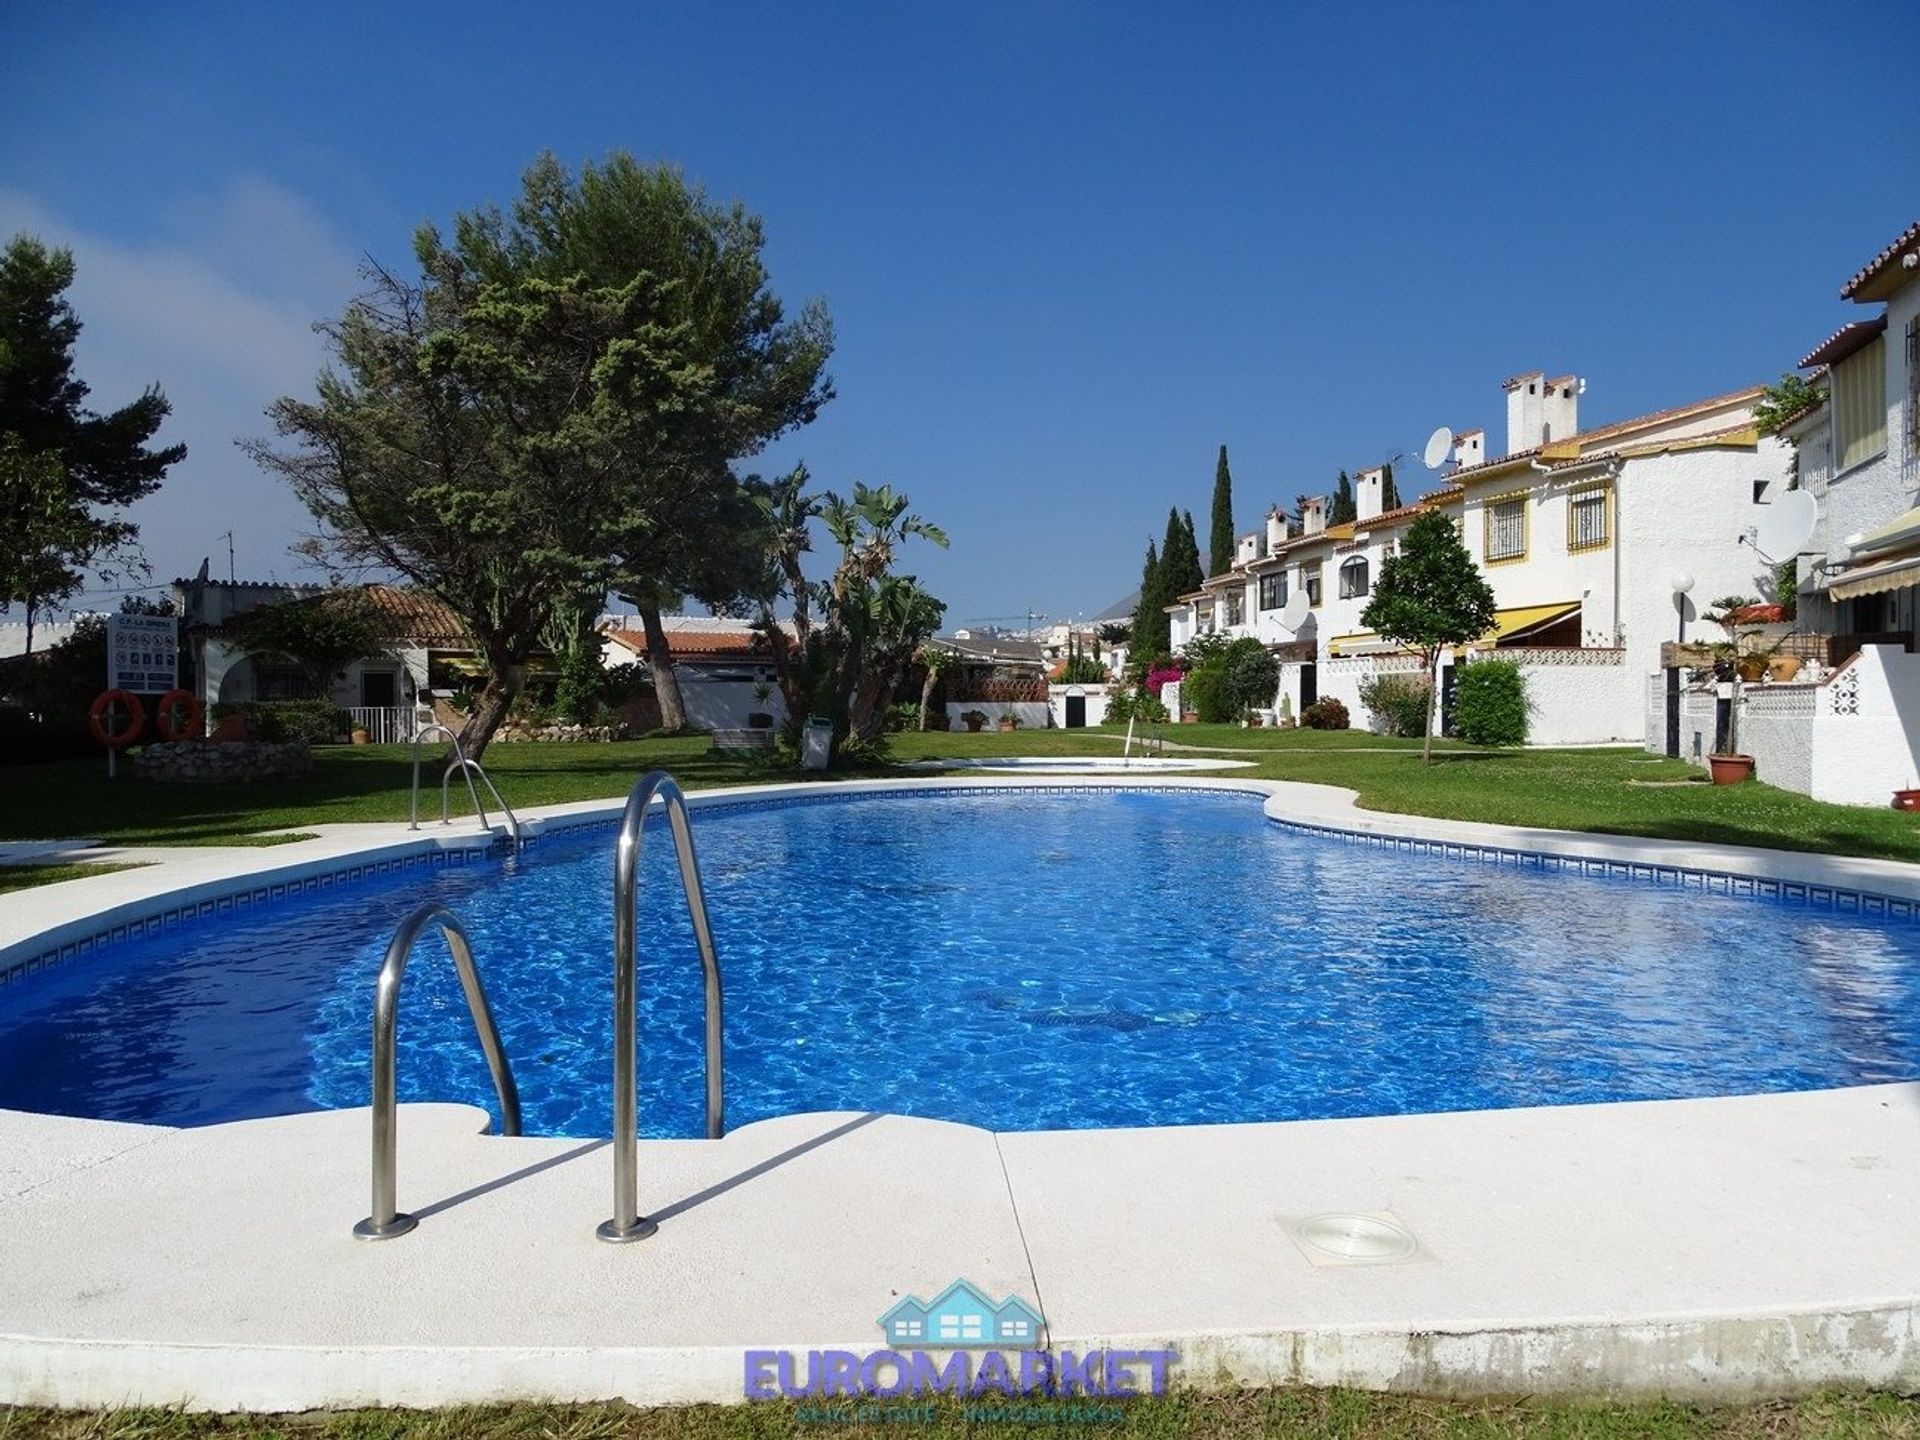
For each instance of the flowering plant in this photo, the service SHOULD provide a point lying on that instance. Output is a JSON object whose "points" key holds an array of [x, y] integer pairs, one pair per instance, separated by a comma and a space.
{"points": [[1163, 675]]}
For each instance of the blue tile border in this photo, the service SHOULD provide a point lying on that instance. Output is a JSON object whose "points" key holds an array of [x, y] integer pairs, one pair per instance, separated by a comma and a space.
{"points": [[1714, 882]]}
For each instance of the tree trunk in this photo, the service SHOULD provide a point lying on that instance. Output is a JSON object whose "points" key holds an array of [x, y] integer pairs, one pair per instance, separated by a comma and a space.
{"points": [[1433, 706], [926, 694], [26, 660], [490, 709], [666, 683]]}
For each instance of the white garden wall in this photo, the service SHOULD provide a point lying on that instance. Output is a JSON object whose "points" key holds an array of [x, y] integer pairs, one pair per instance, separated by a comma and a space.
{"points": [[1036, 714], [1096, 697]]}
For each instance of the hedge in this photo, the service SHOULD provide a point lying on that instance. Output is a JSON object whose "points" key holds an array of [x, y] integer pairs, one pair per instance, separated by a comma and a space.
{"points": [[1490, 704], [318, 722]]}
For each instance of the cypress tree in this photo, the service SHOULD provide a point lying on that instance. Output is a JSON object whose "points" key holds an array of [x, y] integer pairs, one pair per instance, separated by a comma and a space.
{"points": [[1343, 510], [1152, 630], [1389, 492], [1187, 574], [1221, 548]]}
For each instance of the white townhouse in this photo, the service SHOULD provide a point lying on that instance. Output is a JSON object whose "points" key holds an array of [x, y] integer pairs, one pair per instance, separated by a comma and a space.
{"points": [[1580, 533], [1851, 735]]}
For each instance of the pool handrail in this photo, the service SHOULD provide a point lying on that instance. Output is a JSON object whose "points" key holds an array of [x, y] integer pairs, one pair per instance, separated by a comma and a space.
{"points": [[469, 769], [386, 1221], [413, 822], [627, 1222]]}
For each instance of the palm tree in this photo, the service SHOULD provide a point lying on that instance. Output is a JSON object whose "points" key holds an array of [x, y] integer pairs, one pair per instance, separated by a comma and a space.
{"points": [[936, 660]]}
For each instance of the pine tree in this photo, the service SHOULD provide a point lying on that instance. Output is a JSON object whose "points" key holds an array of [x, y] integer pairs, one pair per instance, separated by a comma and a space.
{"points": [[1220, 549], [1343, 511], [1389, 492]]}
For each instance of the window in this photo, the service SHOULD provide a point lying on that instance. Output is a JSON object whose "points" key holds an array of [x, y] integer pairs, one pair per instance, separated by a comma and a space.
{"points": [[280, 682], [1507, 529], [1310, 581], [908, 1328], [1913, 385], [1273, 591], [1236, 604], [1588, 519], [961, 1327], [1860, 403], [1353, 578], [1013, 1329]]}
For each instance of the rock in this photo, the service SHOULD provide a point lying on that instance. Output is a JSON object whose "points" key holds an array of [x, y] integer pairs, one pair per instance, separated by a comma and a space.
{"points": [[200, 762]]}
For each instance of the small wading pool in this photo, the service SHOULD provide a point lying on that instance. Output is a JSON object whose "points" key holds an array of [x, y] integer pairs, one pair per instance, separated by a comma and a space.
{"points": [[1010, 959]]}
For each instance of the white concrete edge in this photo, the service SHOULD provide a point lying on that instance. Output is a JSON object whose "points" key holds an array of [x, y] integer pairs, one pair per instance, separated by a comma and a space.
{"points": [[1708, 1357]]}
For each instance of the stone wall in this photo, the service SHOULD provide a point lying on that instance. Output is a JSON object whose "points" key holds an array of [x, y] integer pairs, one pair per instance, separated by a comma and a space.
{"points": [[198, 762]]}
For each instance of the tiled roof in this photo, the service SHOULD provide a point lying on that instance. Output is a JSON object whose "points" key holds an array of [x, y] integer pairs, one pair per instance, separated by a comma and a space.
{"points": [[415, 615], [1844, 342], [1877, 266], [1619, 427], [703, 642]]}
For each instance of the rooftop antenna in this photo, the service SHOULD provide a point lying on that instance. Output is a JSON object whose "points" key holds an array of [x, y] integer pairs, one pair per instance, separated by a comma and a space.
{"points": [[1438, 448], [228, 537]]}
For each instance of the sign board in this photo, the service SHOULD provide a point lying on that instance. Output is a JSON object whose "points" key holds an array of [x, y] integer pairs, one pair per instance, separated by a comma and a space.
{"points": [[143, 653]]}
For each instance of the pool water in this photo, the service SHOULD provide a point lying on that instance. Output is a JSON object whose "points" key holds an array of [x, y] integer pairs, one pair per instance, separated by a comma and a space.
{"points": [[1013, 960]]}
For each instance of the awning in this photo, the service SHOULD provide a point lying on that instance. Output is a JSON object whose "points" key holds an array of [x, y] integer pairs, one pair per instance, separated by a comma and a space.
{"points": [[1513, 624], [1875, 579], [1896, 534], [1522, 620]]}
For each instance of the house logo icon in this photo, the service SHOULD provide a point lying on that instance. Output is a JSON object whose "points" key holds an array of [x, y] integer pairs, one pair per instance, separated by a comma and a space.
{"points": [[961, 1317]]}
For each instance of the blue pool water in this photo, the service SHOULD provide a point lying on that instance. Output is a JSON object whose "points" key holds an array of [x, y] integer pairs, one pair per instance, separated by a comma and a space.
{"points": [[1012, 960]]}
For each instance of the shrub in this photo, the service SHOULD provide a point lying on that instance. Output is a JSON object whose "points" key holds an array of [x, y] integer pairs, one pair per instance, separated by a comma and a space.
{"points": [[1205, 692], [904, 715], [25, 740], [1326, 713], [318, 722], [1252, 675], [1399, 702], [1490, 705], [1162, 675]]}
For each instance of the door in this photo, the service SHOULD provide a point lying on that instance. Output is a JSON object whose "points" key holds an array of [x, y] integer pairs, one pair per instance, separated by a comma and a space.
{"points": [[1076, 711], [1309, 683], [377, 689]]}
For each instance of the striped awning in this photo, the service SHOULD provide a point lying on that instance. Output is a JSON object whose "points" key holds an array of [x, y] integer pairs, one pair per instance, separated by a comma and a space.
{"points": [[1515, 623], [1875, 579]]}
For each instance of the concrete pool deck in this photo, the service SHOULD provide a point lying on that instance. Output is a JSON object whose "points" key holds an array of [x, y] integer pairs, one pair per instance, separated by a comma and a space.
{"points": [[1741, 1246]]}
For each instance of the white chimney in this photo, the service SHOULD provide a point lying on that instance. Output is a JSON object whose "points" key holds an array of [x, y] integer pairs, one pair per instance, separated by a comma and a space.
{"points": [[1560, 408], [1525, 410], [1247, 548], [1313, 516], [1369, 491], [1276, 529], [1470, 448]]}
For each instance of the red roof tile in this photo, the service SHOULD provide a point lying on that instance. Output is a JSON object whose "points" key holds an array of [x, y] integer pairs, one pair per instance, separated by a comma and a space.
{"points": [[1844, 342], [1877, 266]]}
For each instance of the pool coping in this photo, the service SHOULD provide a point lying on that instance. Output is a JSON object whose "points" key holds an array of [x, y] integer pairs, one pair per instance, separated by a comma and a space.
{"points": [[1758, 1335]]}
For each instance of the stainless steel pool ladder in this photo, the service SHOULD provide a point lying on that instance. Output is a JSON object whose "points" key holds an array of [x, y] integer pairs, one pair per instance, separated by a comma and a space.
{"points": [[1152, 742], [468, 769], [386, 1221], [627, 1222]]}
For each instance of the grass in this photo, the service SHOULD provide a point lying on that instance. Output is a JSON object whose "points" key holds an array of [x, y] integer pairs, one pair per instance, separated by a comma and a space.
{"points": [[1584, 790], [25, 877], [1350, 1414]]}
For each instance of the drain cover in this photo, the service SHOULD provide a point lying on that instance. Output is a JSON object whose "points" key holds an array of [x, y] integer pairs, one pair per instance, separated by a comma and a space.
{"points": [[1354, 1239]]}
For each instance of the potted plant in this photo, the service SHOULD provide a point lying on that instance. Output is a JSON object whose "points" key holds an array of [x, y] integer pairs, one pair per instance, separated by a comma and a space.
{"points": [[1906, 799], [762, 718], [975, 719], [360, 735], [1735, 662], [1009, 722]]}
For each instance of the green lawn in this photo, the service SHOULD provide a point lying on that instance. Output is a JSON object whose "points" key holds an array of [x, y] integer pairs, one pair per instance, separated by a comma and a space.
{"points": [[1348, 1414], [1619, 791], [24, 877]]}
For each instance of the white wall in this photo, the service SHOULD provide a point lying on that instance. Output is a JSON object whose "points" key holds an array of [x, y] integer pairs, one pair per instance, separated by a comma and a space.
{"points": [[1034, 714], [725, 704], [1096, 697]]}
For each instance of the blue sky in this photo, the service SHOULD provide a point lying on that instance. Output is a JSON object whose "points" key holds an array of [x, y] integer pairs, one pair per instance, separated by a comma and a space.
{"points": [[1070, 248]]}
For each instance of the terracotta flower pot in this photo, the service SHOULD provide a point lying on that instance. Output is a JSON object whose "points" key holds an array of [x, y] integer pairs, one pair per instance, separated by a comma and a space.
{"points": [[1751, 667], [1783, 668], [1906, 799], [362, 737], [1730, 769], [1189, 717]]}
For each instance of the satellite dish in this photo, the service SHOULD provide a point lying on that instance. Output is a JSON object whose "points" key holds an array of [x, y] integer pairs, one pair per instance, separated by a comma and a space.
{"points": [[1439, 446], [1294, 612], [1786, 525]]}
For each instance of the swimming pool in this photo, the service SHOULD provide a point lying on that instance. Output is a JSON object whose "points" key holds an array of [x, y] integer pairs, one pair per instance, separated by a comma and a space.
{"points": [[1009, 958]]}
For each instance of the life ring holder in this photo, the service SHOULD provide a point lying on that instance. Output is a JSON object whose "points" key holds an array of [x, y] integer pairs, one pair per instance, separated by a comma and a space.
{"points": [[168, 706], [97, 714]]}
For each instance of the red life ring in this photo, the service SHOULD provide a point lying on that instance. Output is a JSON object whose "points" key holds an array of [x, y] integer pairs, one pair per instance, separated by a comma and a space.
{"points": [[97, 714], [165, 710]]}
